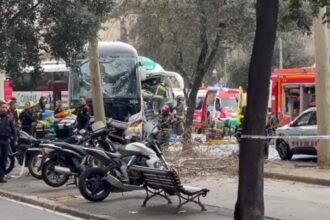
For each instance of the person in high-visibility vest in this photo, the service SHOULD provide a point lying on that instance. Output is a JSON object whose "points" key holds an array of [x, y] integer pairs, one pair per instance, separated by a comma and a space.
{"points": [[241, 99], [159, 97]]}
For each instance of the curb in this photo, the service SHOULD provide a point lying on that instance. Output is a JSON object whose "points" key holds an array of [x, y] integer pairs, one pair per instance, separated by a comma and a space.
{"points": [[302, 179], [53, 206]]}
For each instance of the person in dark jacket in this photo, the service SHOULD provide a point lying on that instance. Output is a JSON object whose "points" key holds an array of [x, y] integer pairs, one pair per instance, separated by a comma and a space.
{"points": [[42, 103], [59, 107], [7, 131], [83, 114], [27, 119], [12, 111], [13, 115], [40, 108]]}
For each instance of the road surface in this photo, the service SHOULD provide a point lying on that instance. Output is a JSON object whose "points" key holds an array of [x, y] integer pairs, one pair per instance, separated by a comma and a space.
{"points": [[12, 210]]}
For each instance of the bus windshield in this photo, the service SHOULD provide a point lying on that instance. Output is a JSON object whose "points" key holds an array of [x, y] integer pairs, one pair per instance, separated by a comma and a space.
{"points": [[119, 79]]}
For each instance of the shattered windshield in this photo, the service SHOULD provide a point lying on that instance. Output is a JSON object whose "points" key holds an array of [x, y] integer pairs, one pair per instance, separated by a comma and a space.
{"points": [[119, 79]]}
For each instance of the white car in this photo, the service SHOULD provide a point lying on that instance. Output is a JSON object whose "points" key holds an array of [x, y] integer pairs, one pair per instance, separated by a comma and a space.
{"points": [[304, 125]]}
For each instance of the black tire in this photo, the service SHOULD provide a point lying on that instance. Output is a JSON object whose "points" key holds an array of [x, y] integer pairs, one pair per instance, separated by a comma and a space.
{"points": [[10, 164], [48, 172], [91, 185], [34, 170], [283, 150]]}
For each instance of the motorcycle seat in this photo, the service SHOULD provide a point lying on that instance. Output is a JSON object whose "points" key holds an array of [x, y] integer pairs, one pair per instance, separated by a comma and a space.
{"points": [[77, 148], [128, 153]]}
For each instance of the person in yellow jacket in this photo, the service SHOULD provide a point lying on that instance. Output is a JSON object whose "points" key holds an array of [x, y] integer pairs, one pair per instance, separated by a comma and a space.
{"points": [[241, 106], [159, 97]]}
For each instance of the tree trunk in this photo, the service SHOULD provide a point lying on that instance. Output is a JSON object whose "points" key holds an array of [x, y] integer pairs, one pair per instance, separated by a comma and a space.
{"points": [[322, 87], [2, 86], [250, 201], [94, 67], [187, 145]]}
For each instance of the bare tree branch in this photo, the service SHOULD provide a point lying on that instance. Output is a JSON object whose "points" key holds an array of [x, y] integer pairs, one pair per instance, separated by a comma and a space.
{"points": [[178, 63], [215, 49], [203, 37]]}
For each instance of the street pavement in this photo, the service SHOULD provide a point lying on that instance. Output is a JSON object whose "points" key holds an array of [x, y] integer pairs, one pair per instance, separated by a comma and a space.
{"points": [[283, 200], [12, 210]]}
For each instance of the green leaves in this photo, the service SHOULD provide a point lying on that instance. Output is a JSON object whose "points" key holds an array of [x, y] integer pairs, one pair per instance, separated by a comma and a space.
{"points": [[61, 28]]}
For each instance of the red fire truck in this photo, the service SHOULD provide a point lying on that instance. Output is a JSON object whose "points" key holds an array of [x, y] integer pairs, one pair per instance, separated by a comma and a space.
{"points": [[292, 92], [203, 108]]}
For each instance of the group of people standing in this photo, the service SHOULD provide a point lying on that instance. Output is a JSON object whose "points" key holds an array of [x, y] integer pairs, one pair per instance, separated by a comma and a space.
{"points": [[8, 134], [11, 121]]}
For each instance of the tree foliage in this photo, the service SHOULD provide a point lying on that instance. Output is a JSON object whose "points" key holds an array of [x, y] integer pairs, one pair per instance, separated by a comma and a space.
{"points": [[31, 29], [169, 31]]}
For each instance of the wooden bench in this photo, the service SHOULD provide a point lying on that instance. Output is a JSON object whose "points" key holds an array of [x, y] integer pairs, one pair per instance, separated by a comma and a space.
{"points": [[167, 182]]}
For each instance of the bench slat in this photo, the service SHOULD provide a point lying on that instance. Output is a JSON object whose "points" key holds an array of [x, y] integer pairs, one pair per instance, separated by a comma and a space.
{"points": [[150, 170], [160, 180], [160, 186], [159, 177]]}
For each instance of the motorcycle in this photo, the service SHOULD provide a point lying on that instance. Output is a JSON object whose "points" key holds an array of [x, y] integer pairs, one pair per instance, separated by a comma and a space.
{"points": [[64, 160], [27, 153], [95, 184]]}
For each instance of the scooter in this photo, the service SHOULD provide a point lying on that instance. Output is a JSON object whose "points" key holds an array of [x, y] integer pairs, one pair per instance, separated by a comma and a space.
{"points": [[95, 184]]}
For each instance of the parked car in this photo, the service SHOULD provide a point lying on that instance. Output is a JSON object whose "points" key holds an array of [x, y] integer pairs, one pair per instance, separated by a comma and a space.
{"points": [[304, 125]]}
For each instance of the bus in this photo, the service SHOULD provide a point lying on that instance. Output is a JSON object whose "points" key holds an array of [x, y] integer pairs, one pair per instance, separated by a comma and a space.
{"points": [[121, 75], [51, 82]]}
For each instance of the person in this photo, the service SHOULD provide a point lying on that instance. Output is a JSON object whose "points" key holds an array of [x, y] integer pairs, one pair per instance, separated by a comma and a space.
{"points": [[159, 97], [42, 104], [7, 131], [59, 107], [13, 112], [270, 130], [83, 114], [179, 115], [27, 119], [13, 115]]}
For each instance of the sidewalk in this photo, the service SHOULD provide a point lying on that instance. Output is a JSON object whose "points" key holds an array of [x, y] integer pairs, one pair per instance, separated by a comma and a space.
{"points": [[297, 171], [117, 206]]}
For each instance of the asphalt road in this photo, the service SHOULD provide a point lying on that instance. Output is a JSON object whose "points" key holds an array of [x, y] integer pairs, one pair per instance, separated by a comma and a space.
{"points": [[12, 210]]}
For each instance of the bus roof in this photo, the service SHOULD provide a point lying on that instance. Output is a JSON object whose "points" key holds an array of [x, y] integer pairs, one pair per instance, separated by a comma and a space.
{"points": [[116, 48]]}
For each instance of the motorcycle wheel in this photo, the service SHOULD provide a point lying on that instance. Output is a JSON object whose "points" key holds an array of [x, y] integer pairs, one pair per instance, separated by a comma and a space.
{"points": [[91, 185], [10, 164], [34, 164], [49, 175]]}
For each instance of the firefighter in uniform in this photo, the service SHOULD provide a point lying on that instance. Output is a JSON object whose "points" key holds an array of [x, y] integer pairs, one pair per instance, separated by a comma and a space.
{"points": [[159, 98], [7, 134], [179, 115]]}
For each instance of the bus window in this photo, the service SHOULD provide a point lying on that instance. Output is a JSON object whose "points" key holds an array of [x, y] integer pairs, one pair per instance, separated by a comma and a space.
{"points": [[174, 82]]}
